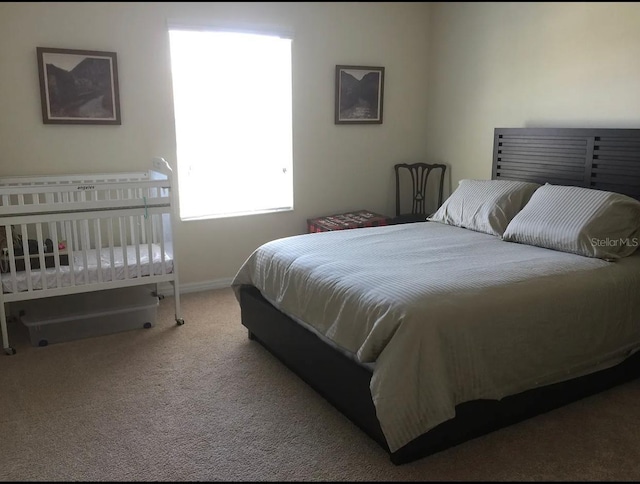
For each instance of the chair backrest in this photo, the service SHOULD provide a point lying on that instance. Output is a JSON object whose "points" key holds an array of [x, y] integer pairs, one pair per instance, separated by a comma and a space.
{"points": [[419, 177]]}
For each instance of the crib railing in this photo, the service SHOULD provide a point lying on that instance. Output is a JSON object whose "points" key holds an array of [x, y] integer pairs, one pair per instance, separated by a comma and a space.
{"points": [[96, 246]]}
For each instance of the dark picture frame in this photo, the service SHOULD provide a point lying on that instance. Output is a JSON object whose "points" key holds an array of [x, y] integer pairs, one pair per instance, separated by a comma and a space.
{"points": [[78, 86], [359, 94]]}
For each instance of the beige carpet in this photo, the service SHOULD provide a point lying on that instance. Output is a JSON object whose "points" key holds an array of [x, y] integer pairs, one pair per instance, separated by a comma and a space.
{"points": [[202, 402]]}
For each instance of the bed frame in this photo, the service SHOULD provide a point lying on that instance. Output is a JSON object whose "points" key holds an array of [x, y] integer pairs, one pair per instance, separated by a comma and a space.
{"points": [[86, 216], [607, 159]]}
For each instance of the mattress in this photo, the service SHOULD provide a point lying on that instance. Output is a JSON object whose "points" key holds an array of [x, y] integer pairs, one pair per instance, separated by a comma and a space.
{"points": [[447, 315], [90, 275]]}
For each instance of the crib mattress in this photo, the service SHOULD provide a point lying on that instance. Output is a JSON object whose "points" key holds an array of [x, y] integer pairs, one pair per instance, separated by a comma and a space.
{"points": [[80, 272]]}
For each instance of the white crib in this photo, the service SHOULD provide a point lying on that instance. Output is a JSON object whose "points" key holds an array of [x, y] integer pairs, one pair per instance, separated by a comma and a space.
{"points": [[88, 232]]}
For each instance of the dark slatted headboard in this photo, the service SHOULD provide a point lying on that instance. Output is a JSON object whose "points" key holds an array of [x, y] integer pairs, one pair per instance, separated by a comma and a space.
{"points": [[604, 159]]}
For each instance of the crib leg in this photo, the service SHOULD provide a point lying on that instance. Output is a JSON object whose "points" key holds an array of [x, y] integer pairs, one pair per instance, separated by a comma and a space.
{"points": [[5, 335], [176, 299]]}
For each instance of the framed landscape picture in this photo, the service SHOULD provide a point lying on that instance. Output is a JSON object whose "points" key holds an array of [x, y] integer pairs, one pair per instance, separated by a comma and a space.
{"points": [[359, 94], [78, 86]]}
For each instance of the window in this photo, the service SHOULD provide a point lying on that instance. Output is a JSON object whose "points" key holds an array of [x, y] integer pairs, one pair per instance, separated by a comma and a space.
{"points": [[233, 116]]}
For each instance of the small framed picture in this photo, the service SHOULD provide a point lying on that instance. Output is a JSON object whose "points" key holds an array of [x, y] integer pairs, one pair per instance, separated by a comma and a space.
{"points": [[78, 86], [359, 94]]}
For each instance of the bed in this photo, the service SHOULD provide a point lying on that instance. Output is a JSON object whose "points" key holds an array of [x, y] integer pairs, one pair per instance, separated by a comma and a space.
{"points": [[69, 234], [426, 335]]}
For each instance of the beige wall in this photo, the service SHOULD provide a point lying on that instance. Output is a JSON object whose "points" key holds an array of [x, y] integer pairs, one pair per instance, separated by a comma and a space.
{"points": [[336, 168], [454, 72], [527, 65]]}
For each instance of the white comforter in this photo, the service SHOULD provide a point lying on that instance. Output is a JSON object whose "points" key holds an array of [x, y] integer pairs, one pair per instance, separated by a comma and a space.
{"points": [[449, 315]]}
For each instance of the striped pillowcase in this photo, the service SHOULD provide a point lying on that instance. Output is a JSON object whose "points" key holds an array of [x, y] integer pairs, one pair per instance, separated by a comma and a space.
{"points": [[583, 221], [484, 205]]}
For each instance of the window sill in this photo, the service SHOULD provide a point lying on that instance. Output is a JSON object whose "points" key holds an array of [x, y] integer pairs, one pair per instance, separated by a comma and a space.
{"points": [[235, 214]]}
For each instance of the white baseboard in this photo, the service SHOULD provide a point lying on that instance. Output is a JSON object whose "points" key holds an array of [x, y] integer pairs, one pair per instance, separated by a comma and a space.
{"points": [[166, 288]]}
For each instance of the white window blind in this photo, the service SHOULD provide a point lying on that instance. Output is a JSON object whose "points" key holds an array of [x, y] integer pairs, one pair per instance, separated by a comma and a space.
{"points": [[233, 119]]}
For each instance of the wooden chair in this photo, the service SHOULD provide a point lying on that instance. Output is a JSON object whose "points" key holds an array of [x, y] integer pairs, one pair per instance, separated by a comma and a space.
{"points": [[420, 173]]}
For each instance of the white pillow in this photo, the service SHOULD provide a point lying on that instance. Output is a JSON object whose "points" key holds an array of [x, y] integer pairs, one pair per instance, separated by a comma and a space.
{"points": [[583, 221], [484, 205]]}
